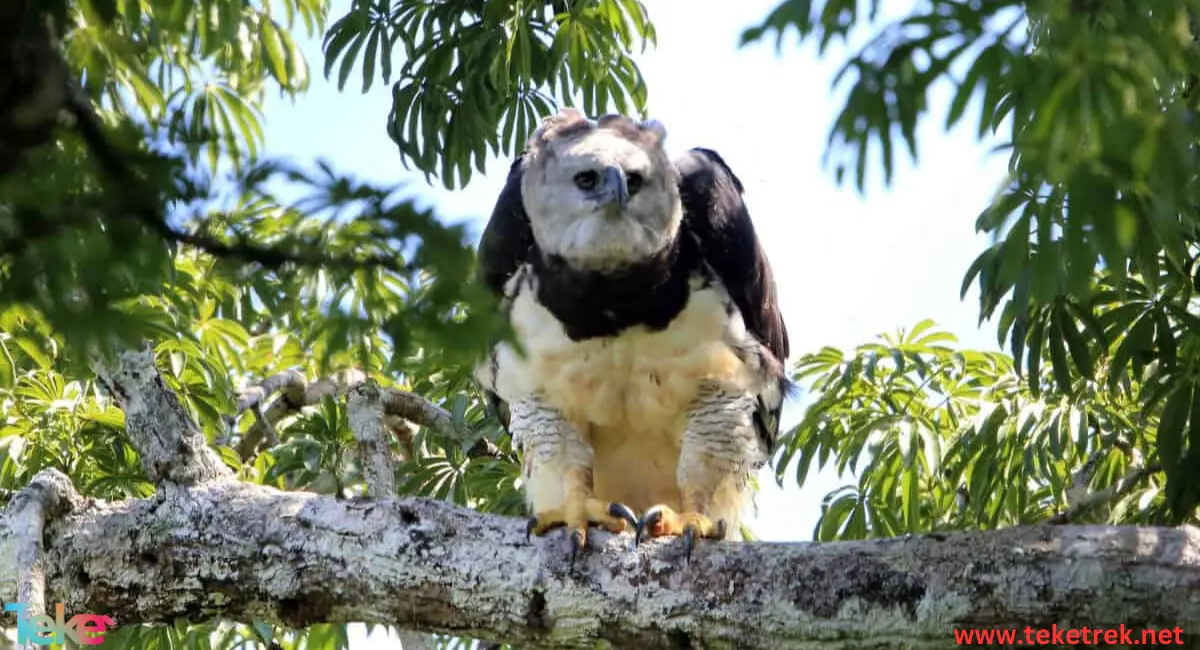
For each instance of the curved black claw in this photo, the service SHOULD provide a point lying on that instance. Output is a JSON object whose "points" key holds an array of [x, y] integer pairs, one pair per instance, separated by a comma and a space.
{"points": [[622, 511], [689, 538], [651, 517], [534, 523], [577, 542]]}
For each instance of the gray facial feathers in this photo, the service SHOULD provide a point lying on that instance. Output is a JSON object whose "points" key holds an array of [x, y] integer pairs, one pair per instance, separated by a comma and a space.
{"points": [[601, 195]]}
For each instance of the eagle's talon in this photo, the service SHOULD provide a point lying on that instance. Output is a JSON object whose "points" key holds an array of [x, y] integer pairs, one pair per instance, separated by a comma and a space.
{"points": [[541, 525], [690, 533], [577, 516], [650, 519], [622, 512], [578, 539], [662, 521]]}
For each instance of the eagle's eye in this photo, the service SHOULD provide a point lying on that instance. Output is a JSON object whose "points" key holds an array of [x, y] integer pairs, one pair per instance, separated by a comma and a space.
{"points": [[587, 180], [634, 183]]}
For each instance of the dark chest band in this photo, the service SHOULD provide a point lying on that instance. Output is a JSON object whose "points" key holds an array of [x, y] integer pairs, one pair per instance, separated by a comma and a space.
{"points": [[593, 304]]}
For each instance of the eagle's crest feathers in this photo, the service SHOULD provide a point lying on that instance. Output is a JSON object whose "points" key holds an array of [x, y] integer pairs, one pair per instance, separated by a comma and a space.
{"points": [[569, 122]]}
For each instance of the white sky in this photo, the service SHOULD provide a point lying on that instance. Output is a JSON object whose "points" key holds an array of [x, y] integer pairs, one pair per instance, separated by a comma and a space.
{"points": [[848, 267]]}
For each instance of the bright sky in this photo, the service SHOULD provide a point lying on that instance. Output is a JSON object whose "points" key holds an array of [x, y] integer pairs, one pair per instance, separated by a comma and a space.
{"points": [[848, 267]]}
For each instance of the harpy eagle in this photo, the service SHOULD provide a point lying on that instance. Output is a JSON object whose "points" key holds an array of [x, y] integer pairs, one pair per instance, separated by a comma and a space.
{"points": [[650, 377]]}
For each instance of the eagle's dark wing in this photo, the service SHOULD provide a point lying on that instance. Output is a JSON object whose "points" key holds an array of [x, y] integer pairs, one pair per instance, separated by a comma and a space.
{"points": [[716, 214], [503, 247], [507, 237]]}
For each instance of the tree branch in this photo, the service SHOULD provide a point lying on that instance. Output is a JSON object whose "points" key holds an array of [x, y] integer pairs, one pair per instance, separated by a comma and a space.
{"points": [[1080, 500], [207, 545], [243, 551], [33, 89], [22, 535], [296, 393], [364, 410], [172, 446], [1116, 490]]}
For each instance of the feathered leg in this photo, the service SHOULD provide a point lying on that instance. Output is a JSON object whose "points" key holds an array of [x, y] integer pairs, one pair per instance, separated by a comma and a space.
{"points": [[720, 452], [557, 471]]}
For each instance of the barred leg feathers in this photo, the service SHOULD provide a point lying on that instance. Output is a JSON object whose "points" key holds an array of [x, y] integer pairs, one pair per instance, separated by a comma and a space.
{"points": [[720, 450], [557, 472]]}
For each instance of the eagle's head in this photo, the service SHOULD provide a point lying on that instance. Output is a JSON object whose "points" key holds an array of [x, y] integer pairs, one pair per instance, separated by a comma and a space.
{"points": [[601, 195]]}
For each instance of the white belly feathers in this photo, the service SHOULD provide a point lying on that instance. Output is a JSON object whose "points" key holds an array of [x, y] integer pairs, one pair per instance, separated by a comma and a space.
{"points": [[639, 379]]}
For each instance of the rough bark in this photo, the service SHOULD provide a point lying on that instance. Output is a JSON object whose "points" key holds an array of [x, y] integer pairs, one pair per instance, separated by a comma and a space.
{"points": [[244, 551], [364, 410], [171, 444], [22, 535], [207, 545]]}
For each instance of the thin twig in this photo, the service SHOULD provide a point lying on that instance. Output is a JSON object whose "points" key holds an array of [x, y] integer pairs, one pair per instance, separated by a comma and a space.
{"points": [[297, 393], [271, 257], [1114, 491], [1082, 477]]}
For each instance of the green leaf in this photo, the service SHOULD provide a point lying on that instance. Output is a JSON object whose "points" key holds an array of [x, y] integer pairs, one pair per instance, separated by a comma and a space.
{"points": [[105, 9], [8, 367], [1139, 337], [368, 64], [1170, 432], [834, 517], [1058, 352], [1078, 426], [911, 501], [1164, 335], [1034, 357]]}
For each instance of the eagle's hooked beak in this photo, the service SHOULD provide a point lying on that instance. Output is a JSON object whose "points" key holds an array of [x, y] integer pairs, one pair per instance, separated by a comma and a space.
{"points": [[613, 188]]}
